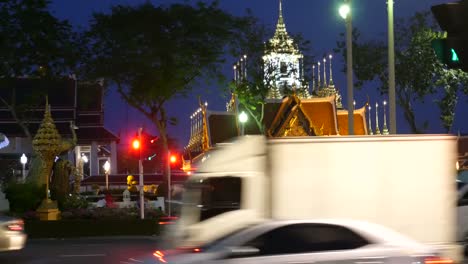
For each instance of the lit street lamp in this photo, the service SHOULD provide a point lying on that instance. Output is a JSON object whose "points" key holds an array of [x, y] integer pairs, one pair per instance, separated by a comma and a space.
{"points": [[243, 117], [345, 13], [84, 158], [23, 161], [106, 171]]}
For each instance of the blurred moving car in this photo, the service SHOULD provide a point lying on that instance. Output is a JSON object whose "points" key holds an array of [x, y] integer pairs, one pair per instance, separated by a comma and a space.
{"points": [[291, 241], [12, 236], [460, 184], [462, 215]]}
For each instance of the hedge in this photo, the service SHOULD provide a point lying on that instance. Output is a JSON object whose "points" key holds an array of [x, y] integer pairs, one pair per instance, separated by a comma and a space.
{"points": [[88, 228]]}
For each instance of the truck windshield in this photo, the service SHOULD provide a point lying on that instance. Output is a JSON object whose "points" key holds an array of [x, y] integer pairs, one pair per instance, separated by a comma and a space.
{"points": [[214, 196]]}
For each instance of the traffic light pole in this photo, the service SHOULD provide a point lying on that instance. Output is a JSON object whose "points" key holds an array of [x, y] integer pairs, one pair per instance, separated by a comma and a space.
{"points": [[140, 169], [169, 183]]}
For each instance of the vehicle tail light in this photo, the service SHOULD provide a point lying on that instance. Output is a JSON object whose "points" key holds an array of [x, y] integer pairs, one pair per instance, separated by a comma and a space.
{"points": [[167, 220], [189, 249], [16, 226], [160, 256], [437, 260]]}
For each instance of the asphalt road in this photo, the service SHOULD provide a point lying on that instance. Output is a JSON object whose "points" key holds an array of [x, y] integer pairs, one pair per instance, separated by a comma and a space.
{"points": [[115, 250], [118, 250]]}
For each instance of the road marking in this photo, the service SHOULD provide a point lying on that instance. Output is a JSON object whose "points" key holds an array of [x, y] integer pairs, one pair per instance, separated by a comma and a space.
{"points": [[82, 255]]}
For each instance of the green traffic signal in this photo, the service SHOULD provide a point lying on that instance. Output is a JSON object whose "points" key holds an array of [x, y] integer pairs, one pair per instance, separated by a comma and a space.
{"points": [[454, 56], [446, 52]]}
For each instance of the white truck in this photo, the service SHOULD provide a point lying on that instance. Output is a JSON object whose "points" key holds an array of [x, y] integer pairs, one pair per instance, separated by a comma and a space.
{"points": [[404, 182]]}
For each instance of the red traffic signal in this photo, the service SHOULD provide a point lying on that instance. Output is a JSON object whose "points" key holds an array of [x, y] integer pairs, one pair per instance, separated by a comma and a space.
{"points": [[173, 159], [136, 144]]}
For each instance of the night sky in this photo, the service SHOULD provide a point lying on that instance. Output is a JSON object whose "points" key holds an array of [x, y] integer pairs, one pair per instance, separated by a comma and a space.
{"points": [[317, 20]]}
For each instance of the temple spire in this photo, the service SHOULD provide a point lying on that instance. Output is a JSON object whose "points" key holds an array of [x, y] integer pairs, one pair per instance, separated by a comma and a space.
{"points": [[280, 17], [280, 27]]}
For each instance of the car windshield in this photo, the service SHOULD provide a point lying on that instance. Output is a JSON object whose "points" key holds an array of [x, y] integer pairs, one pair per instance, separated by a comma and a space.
{"points": [[214, 195]]}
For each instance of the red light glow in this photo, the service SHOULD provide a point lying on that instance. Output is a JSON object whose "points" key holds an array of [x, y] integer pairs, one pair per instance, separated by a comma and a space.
{"points": [[136, 144], [16, 226], [438, 260]]}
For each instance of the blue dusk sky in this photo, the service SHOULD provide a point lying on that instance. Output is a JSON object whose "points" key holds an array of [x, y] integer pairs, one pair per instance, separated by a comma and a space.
{"points": [[317, 20]]}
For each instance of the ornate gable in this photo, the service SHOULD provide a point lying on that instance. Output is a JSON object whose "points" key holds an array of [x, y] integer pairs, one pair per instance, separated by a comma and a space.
{"points": [[291, 120]]}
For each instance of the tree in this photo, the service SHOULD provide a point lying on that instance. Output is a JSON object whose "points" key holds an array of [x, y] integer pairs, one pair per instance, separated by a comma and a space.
{"points": [[33, 43], [153, 54], [419, 74]]}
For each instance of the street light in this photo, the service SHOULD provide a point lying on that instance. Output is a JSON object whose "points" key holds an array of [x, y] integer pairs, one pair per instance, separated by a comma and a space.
{"points": [[23, 161], [345, 13], [243, 117], [391, 69], [84, 158], [344, 10], [106, 171]]}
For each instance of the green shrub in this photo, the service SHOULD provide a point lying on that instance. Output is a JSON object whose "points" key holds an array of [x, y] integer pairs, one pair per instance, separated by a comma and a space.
{"points": [[88, 228], [110, 214], [24, 197], [74, 201]]}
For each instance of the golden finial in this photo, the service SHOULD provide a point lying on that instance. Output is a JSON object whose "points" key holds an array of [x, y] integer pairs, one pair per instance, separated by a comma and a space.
{"points": [[331, 74]]}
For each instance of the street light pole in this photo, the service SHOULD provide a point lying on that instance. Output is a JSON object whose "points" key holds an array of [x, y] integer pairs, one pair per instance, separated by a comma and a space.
{"points": [[140, 169], [106, 171], [23, 161], [243, 117], [391, 69], [345, 12]]}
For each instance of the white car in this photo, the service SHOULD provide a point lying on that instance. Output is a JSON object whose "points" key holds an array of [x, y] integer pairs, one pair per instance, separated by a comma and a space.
{"points": [[12, 236], [462, 215], [327, 241]]}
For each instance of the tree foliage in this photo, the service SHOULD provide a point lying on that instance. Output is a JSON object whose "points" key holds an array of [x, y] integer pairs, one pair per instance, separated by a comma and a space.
{"points": [[33, 43], [154, 54], [419, 74]]}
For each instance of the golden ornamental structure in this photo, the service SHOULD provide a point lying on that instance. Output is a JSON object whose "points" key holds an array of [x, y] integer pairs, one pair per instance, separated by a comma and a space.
{"points": [[48, 144]]}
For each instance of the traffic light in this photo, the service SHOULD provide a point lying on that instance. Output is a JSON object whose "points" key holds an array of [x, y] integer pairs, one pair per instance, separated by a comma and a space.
{"points": [[452, 18], [446, 50], [136, 144], [172, 159]]}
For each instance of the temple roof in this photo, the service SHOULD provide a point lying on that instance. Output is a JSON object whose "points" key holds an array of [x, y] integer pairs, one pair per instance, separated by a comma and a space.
{"points": [[85, 135], [360, 125], [317, 116], [281, 41]]}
